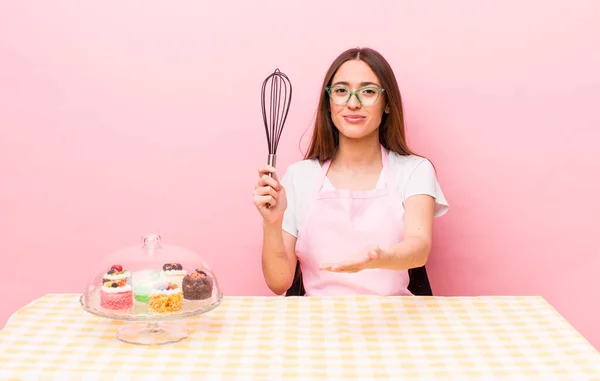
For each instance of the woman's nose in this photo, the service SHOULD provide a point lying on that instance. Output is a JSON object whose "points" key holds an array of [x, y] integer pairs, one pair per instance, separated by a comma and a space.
{"points": [[353, 102]]}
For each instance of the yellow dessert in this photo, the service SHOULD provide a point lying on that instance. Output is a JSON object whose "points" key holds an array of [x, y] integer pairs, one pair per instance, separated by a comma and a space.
{"points": [[166, 297]]}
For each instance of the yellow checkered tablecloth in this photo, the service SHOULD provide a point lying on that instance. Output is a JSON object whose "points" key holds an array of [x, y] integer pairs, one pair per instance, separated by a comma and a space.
{"points": [[277, 338]]}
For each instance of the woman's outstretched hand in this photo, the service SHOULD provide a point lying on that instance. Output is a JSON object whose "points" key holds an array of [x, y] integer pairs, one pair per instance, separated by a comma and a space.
{"points": [[269, 196], [365, 260]]}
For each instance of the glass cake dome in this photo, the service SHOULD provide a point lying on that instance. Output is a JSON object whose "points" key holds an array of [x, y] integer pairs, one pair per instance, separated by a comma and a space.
{"points": [[151, 282]]}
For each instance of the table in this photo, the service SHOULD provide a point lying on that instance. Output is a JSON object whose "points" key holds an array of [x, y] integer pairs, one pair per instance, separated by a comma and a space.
{"points": [[335, 338]]}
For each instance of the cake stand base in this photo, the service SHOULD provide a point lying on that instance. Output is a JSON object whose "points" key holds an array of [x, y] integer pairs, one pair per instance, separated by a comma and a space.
{"points": [[153, 333]]}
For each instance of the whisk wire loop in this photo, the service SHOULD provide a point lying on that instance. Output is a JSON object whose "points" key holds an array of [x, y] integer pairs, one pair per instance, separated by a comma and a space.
{"points": [[275, 106]]}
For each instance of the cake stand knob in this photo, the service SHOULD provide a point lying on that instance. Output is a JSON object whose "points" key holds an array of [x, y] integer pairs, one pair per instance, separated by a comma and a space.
{"points": [[151, 240]]}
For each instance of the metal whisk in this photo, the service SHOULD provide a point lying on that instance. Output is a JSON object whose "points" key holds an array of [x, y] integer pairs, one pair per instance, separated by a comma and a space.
{"points": [[275, 108]]}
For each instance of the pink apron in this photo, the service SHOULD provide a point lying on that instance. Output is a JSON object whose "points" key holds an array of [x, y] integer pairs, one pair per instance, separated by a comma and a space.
{"points": [[339, 225]]}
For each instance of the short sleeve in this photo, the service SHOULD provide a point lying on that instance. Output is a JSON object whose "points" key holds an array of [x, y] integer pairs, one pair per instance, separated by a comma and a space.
{"points": [[289, 216], [424, 181]]}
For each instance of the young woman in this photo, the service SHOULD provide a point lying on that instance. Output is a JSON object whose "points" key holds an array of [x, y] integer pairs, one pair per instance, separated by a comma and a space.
{"points": [[357, 212]]}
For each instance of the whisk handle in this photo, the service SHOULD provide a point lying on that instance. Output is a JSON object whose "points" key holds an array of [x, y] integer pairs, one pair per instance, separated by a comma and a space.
{"points": [[271, 162]]}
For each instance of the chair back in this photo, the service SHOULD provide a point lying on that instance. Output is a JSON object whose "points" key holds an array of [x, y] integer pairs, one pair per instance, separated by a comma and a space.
{"points": [[418, 284]]}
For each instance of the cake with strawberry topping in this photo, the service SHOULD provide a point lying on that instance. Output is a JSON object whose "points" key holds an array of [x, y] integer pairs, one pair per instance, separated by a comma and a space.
{"points": [[166, 297], [173, 273], [197, 286], [116, 274], [115, 293]]}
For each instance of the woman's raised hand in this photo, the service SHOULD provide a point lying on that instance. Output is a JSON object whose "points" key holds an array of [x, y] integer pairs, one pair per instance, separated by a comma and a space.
{"points": [[269, 196]]}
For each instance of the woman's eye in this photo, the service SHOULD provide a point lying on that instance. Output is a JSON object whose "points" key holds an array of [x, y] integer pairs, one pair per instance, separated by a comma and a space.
{"points": [[369, 92], [340, 91]]}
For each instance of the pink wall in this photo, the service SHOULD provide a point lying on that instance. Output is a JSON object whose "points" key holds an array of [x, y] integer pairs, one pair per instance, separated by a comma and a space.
{"points": [[117, 119]]}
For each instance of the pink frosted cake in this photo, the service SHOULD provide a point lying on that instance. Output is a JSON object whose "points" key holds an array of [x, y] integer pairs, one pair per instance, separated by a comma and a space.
{"points": [[115, 293]]}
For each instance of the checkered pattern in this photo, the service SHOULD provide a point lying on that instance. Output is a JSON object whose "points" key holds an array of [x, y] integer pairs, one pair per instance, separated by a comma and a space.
{"points": [[336, 338]]}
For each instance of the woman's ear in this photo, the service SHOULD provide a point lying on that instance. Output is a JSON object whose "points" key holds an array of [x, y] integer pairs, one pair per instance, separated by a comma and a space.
{"points": [[387, 109]]}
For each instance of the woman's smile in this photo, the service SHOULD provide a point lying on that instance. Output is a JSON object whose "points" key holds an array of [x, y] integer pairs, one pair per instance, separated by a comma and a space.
{"points": [[354, 118]]}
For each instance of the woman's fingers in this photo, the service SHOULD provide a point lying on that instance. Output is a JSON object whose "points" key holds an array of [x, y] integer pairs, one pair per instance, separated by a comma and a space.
{"points": [[268, 188], [272, 182], [265, 170], [262, 201], [266, 191], [341, 269], [268, 170], [265, 180]]}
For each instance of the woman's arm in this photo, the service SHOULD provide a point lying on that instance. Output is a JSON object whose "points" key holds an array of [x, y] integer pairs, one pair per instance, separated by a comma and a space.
{"points": [[278, 251], [423, 197], [278, 258], [413, 251], [410, 253]]}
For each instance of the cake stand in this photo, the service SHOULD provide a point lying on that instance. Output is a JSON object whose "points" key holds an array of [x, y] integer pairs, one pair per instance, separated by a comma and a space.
{"points": [[150, 327]]}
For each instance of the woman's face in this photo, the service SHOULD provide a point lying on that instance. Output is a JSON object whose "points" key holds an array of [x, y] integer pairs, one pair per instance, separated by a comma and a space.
{"points": [[353, 119]]}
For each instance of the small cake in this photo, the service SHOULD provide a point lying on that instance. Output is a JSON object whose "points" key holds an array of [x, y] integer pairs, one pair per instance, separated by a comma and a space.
{"points": [[116, 274], [143, 282], [115, 293], [197, 286], [166, 297], [173, 273]]}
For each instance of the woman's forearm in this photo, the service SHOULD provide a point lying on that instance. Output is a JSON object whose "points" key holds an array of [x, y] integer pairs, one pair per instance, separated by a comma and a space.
{"points": [[412, 252], [275, 260]]}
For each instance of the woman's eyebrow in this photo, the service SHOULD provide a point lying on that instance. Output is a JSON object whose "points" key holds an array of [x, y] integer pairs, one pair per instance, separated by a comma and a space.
{"points": [[344, 83]]}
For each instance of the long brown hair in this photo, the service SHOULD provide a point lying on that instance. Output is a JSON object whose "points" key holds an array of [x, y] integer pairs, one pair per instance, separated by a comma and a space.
{"points": [[325, 137]]}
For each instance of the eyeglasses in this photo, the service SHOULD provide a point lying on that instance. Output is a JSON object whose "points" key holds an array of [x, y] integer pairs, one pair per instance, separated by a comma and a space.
{"points": [[367, 96]]}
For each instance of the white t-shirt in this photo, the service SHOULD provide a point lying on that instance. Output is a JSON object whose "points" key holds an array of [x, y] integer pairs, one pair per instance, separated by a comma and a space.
{"points": [[412, 175]]}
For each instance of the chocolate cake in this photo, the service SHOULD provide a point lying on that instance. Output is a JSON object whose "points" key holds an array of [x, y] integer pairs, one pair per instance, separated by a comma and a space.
{"points": [[197, 286], [172, 267]]}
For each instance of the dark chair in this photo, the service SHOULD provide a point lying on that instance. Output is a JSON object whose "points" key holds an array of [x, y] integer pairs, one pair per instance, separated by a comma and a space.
{"points": [[418, 284], [297, 288]]}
